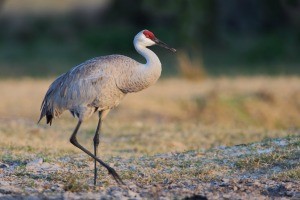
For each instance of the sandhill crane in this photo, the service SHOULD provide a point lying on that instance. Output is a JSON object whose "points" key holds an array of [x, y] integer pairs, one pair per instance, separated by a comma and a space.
{"points": [[99, 84]]}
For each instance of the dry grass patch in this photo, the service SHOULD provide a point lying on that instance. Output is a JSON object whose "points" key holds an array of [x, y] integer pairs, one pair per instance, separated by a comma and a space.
{"points": [[281, 158], [290, 174], [191, 69], [173, 115]]}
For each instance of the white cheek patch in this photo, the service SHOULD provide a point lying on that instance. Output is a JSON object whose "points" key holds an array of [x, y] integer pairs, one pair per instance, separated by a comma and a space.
{"points": [[143, 40], [149, 42]]}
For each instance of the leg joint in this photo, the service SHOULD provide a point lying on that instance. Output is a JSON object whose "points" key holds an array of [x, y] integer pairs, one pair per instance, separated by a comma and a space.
{"points": [[96, 140], [73, 140]]}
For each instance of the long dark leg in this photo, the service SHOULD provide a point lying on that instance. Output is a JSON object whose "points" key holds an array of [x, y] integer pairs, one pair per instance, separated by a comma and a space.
{"points": [[96, 144], [110, 170]]}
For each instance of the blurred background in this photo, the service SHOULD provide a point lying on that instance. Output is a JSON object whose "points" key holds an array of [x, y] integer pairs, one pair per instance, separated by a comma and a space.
{"points": [[249, 37], [234, 79]]}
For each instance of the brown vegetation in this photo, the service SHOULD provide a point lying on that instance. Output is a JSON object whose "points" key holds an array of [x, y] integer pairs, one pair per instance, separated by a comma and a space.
{"points": [[160, 141], [191, 69], [173, 115]]}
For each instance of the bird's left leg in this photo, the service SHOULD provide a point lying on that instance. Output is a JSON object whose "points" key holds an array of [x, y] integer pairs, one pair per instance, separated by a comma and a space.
{"points": [[96, 144], [111, 171]]}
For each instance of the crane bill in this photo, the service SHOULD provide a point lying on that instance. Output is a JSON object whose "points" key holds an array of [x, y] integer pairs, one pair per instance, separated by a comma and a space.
{"points": [[164, 45]]}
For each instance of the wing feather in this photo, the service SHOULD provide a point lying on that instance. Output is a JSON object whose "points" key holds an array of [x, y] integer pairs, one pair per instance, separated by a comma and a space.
{"points": [[84, 84], [80, 85]]}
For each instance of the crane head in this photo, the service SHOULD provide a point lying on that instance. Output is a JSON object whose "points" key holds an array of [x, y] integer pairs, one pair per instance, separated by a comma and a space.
{"points": [[147, 38]]}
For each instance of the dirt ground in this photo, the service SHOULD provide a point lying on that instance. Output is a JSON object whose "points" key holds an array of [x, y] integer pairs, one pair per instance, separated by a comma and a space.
{"points": [[265, 170]]}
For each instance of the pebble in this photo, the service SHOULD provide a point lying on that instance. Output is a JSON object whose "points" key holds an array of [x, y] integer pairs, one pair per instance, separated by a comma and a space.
{"points": [[39, 165], [2, 183], [34, 163], [133, 194], [9, 189], [132, 168], [226, 196], [257, 183], [3, 166], [288, 186], [225, 180], [32, 197], [235, 188], [296, 196]]}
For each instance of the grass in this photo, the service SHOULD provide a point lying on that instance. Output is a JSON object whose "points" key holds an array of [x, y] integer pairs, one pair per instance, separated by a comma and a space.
{"points": [[143, 139], [267, 160], [290, 174], [173, 115]]}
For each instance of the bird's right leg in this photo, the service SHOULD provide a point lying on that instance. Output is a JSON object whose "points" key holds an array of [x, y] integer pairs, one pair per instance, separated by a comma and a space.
{"points": [[96, 144], [111, 171]]}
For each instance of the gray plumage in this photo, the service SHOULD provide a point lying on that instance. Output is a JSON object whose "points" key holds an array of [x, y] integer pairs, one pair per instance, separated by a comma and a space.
{"points": [[97, 84], [100, 84]]}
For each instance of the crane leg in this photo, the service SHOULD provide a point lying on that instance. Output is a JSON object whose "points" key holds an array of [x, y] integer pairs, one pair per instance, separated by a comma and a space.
{"points": [[110, 170], [96, 144]]}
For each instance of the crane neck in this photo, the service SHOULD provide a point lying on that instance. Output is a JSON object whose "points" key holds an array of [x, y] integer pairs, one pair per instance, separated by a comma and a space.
{"points": [[151, 58], [144, 75]]}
